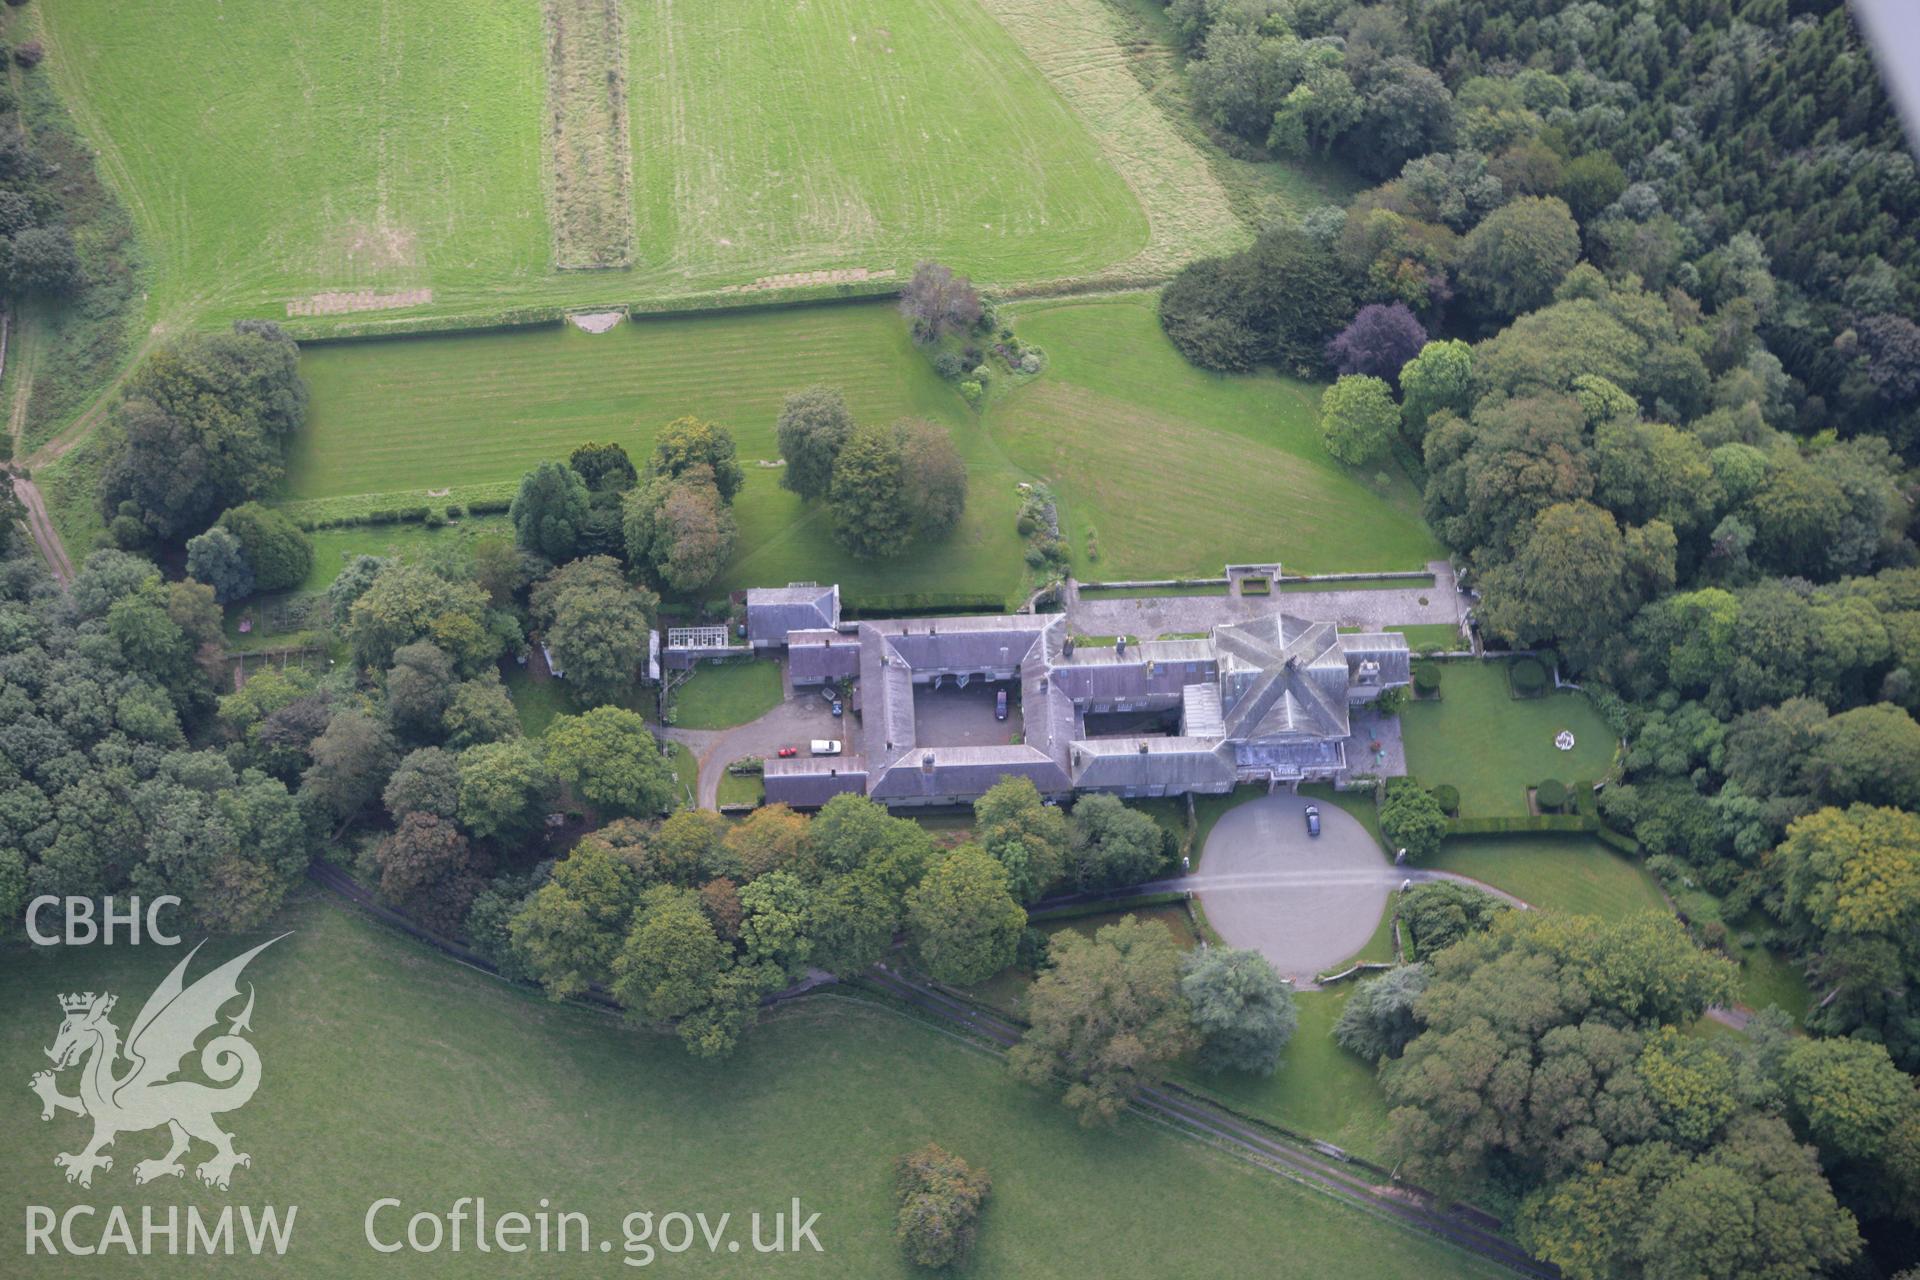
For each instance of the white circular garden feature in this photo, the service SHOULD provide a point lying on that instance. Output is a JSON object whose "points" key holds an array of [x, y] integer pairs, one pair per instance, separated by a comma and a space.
{"points": [[1564, 740]]}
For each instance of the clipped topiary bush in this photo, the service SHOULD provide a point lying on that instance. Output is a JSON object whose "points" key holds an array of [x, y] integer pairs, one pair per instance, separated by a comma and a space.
{"points": [[1551, 795], [1528, 677], [1426, 678], [1449, 797]]}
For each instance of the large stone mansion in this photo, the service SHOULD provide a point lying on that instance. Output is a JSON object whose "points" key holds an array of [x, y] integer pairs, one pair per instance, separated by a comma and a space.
{"points": [[1266, 701]]}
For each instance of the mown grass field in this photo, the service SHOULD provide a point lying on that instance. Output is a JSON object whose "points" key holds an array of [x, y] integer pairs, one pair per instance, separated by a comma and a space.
{"points": [[1180, 470], [860, 133], [1493, 746], [270, 153], [1576, 874], [390, 1071], [408, 415]]}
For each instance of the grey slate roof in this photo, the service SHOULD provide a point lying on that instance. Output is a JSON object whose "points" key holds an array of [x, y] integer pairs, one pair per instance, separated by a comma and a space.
{"points": [[1270, 693], [1178, 764], [937, 772], [813, 656], [774, 611], [1387, 648], [1282, 677], [809, 782]]}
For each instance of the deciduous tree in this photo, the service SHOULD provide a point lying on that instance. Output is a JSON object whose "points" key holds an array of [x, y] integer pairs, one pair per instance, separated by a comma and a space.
{"points": [[1242, 1010], [687, 443], [814, 423], [938, 302], [609, 758], [964, 925], [1027, 837], [1106, 1016], [940, 1198], [1358, 419]]}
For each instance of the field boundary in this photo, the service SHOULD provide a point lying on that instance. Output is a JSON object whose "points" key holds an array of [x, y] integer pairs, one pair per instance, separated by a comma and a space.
{"points": [[588, 147], [316, 332]]}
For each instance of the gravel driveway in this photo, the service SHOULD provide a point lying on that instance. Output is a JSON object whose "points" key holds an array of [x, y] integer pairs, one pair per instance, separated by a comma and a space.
{"points": [[1306, 903]]}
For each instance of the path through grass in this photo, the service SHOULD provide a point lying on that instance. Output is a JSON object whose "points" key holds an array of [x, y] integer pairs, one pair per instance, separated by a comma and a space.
{"points": [[1576, 874]]}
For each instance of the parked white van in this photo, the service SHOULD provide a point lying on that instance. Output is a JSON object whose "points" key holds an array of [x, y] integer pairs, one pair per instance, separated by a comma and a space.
{"points": [[826, 746]]}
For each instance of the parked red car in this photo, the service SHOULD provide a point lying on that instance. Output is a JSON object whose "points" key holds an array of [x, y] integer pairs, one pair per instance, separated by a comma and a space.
{"points": [[789, 751]]}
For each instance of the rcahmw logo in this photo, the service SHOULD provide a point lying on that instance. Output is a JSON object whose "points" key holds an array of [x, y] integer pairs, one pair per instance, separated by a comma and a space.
{"points": [[132, 1086]]}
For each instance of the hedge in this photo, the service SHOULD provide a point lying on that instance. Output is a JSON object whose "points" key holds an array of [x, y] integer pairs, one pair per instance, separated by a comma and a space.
{"points": [[1448, 797], [1527, 676], [910, 603], [1559, 822], [1080, 910], [1619, 841], [800, 295], [314, 331]]}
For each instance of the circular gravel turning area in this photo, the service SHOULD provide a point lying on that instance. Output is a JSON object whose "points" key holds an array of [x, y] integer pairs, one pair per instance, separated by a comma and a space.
{"points": [[1305, 902]]}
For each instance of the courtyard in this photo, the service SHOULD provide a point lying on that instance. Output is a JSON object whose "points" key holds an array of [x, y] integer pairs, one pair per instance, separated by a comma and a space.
{"points": [[946, 715]]}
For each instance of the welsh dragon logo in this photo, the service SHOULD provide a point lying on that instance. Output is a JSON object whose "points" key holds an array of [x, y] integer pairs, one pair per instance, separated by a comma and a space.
{"points": [[145, 1095]]}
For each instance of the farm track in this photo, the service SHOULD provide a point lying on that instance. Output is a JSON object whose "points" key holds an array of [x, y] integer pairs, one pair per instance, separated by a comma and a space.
{"points": [[1463, 1226]]}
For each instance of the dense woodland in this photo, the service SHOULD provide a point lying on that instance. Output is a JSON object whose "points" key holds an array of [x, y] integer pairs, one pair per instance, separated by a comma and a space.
{"points": [[1632, 298]]}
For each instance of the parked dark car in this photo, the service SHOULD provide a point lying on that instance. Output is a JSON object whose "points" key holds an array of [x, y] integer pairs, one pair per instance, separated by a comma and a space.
{"points": [[1000, 705], [1313, 820], [838, 709]]}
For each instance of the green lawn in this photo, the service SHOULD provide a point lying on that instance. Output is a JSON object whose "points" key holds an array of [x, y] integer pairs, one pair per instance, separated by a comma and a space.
{"points": [[1358, 584], [741, 788], [1493, 746], [1181, 471], [1556, 873], [686, 772], [1431, 637], [1320, 1090], [406, 416], [536, 702], [719, 697], [1771, 978], [270, 153], [390, 1071]]}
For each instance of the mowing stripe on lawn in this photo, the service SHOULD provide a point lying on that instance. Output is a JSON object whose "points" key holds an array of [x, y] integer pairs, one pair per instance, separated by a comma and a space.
{"points": [[588, 148]]}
